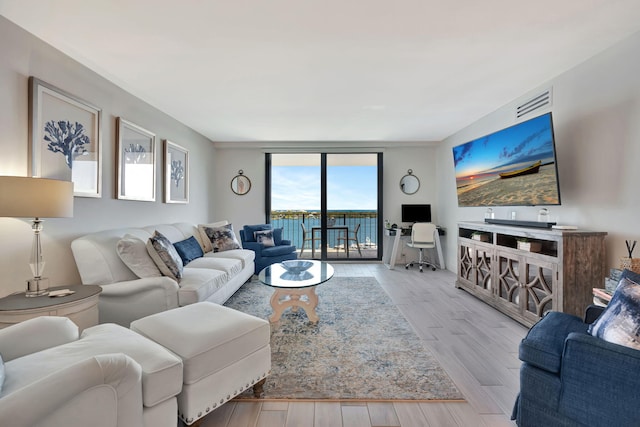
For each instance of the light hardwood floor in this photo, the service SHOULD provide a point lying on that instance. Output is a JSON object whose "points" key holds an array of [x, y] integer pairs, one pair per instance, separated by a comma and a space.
{"points": [[475, 344]]}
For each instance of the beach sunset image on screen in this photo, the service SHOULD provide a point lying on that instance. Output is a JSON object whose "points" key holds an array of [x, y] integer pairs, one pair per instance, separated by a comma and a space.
{"points": [[515, 166]]}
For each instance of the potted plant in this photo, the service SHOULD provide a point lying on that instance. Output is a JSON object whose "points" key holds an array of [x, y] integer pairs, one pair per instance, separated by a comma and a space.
{"points": [[525, 244]]}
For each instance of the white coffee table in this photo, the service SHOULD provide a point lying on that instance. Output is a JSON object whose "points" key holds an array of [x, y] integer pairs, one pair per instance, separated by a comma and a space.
{"points": [[295, 290]]}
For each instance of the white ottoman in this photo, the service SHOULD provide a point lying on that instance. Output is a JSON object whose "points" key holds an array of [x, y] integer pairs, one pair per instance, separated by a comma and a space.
{"points": [[224, 352]]}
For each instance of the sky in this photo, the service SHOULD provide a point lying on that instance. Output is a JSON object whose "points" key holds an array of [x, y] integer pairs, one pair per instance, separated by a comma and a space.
{"points": [[348, 187]]}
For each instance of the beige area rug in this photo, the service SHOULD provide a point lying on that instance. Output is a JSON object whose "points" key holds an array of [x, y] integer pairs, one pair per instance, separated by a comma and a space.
{"points": [[362, 347]]}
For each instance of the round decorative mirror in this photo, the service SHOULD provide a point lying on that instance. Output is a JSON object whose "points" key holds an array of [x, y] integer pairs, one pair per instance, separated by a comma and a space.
{"points": [[240, 184], [409, 184]]}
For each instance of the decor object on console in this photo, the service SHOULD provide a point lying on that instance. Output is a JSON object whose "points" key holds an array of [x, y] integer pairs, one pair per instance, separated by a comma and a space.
{"points": [[65, 135], [240, 184], [569, 377], [25, 197], [176, 173], [127, 295], [266, 255], [136, 162]]}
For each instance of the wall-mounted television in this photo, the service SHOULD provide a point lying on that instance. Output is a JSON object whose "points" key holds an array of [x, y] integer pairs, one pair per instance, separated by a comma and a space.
{"points": [[416, 213], [515, 166]]}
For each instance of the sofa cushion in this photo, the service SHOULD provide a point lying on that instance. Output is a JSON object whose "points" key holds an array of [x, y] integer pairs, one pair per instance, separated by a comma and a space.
{"points": [[188, 249], [133, 252], [1, 373], [278, 250], [264, 237], [161, 370], [198, 284], [543, 345], [245, 255], [620, 321], [222, 238], [231, 266], [206, 242], [165, 256]]}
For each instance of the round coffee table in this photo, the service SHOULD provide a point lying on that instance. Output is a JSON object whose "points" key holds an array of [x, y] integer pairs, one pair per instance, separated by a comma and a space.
{"points": [[290, 288]]}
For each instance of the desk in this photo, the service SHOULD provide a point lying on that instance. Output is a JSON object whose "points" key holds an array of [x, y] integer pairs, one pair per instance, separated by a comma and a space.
{"points": [[395, 235], [335, 227]]}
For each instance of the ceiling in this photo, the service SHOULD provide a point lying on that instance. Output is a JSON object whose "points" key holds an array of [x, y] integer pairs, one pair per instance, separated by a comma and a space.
{"points": [[328, 70]]}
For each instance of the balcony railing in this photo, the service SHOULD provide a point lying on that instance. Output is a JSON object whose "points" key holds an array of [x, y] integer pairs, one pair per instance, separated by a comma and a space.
{"points": [[367, 234]]}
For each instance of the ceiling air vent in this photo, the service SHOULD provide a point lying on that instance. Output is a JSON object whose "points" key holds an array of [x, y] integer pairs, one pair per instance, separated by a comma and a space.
{"points": [[536, 103]]}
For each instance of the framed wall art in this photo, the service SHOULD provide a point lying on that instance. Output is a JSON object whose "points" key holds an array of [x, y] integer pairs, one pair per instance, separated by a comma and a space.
{"points": [[136, 162], [65, 135], [176, 173]]}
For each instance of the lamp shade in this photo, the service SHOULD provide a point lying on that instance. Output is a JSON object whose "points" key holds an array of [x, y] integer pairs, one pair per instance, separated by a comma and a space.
{"points": [[26, 197]]}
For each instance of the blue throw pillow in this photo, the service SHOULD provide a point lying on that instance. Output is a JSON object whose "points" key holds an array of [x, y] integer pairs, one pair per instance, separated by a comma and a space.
{"points": [[277, 236], [620, 321], [188, 249]]}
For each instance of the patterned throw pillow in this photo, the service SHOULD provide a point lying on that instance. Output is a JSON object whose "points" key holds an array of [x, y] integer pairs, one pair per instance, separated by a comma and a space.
{"points": [[133, 252], [222, 238], [206, 243], [188, 249], [265, 237], [165, 256], [619, 323]]}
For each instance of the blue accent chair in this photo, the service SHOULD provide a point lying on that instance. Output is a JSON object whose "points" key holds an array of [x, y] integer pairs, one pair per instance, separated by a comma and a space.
{"points": [[267, 255], [569, 378]]}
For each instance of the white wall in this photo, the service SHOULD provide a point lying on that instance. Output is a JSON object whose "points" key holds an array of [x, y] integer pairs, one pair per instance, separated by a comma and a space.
{"points": [[24, 55], [397, 159], [596, 113]]}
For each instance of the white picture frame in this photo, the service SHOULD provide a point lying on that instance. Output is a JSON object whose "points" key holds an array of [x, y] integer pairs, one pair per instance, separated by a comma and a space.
{"points": [[176, 173], [136, 162]]}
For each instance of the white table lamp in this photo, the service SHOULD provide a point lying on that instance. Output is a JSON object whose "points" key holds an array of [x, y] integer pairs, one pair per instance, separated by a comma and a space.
{"points": [[25, 197]]}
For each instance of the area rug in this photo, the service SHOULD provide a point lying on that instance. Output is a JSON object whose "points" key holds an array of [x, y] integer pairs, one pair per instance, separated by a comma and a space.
{"points": [[362, 347]]}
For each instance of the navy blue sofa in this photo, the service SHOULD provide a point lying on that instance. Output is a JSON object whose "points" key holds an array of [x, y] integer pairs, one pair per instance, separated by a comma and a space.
{"points": [[570, 378], [267, 255]]}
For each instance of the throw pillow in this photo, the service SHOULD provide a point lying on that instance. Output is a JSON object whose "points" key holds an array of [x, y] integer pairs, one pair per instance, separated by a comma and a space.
{"points": [[619, 323], [222, 238], [165, 256], [277, 235], [265, 237], [133, 252], [188, 249], [206, 243]]}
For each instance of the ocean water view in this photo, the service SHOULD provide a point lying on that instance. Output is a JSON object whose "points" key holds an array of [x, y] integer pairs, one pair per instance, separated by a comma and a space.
{"points": [[291, 220]]}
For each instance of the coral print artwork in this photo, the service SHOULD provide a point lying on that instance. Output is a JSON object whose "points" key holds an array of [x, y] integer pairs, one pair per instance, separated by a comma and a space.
{"points": [[65, 134]]}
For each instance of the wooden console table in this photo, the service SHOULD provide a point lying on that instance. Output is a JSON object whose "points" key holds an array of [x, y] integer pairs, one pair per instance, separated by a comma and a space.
{"points": [[525, 285]]}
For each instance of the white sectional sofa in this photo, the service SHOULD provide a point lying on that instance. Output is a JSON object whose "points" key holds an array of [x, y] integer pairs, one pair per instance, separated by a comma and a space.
{"points": [[127, 297]]}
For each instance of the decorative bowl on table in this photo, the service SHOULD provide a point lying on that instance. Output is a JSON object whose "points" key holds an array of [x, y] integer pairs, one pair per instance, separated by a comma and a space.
{"points": [[296, 266]]}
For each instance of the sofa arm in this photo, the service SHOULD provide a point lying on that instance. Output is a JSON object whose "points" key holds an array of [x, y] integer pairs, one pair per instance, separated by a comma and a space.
{"points": [[35, 335], [254, 246], [124, 302], [599, 382], [103, 390], [285, 242], [592, 313]]}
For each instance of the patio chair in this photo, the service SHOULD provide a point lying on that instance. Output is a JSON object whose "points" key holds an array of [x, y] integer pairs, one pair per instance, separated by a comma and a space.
{"points": [[306, 237], [351, 236]]}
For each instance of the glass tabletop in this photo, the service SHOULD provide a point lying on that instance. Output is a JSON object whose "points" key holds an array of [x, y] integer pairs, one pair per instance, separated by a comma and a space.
{"points": [[277, 276]]}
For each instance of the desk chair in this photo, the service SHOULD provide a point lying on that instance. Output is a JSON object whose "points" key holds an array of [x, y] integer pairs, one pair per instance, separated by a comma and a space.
{"points": [[350, 238], [422, 237]]}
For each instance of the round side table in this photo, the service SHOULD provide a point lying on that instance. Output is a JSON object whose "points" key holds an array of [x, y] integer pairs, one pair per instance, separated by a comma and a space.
{"points": [[81, 306]]}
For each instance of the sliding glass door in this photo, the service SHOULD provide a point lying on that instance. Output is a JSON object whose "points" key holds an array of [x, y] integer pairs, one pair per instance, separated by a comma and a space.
{"points": [[329, 205]]}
